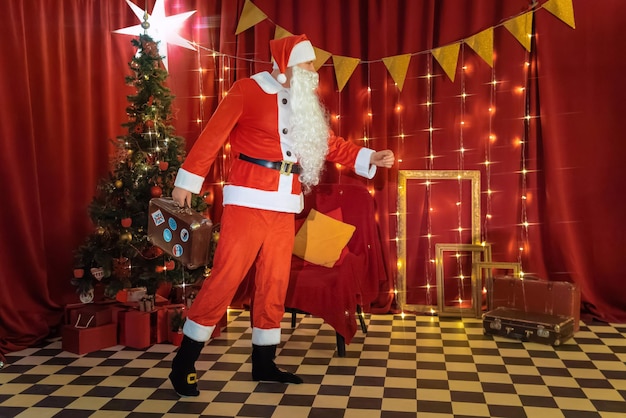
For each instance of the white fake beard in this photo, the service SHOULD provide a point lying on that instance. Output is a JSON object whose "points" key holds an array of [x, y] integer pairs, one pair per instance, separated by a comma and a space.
{"points": [[309, 126]]}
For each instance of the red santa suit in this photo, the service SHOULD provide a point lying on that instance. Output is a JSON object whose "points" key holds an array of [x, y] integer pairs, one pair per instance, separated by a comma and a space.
{"points": [[257, 224]]}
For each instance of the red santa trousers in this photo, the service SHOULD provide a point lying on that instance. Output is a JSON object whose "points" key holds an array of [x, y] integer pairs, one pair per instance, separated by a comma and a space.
{"points": [[247, 236]]}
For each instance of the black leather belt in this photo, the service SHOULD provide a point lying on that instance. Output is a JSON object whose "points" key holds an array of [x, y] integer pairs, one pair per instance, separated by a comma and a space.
{"points": [[285, 167]]}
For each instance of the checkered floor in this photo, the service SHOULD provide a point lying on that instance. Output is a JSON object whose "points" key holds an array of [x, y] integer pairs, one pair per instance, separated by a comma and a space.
{"points": [[403, 367]]}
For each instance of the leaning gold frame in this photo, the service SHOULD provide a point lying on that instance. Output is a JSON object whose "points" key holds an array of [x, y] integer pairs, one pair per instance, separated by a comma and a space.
{"points": [[403, 177], [478, 272], [480, 253]]}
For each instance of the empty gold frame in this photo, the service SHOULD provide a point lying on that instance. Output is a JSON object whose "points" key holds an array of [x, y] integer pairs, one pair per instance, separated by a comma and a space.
{"points": [[488, 266], [480, 253], [428, 175]]}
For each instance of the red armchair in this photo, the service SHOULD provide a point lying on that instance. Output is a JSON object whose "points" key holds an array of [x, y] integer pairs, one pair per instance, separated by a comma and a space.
{"points": [[337, 294]]}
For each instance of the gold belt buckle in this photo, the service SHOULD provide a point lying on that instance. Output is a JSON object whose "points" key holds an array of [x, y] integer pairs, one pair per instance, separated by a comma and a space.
{"points": [[286, 167]]}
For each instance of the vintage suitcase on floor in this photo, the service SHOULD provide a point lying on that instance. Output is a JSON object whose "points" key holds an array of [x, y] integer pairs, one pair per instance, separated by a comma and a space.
{"points": [[528, 326], [535, 295], [181, 232]]}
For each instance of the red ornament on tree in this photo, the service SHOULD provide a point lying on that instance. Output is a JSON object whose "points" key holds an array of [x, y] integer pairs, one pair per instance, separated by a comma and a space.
{"points": [[163, 165], [156, 191], [126, 222], [170, 265]]}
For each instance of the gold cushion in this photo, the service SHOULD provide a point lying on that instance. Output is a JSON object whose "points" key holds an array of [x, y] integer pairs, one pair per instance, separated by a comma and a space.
{"points": [[321, 239]]}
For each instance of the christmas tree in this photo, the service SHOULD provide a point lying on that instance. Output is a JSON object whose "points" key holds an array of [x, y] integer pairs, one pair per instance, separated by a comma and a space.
{"points": [[117, 254]]}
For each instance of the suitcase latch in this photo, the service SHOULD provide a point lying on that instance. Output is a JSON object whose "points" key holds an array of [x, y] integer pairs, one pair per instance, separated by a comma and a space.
{"points": [[496, 324], [542, 332]]}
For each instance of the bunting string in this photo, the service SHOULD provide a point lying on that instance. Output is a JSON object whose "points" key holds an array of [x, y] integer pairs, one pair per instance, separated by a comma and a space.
{"points": [[520, 26]]}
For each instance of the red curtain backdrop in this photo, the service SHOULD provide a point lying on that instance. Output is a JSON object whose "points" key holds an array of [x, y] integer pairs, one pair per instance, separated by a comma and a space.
{"points": [[63, 100]]}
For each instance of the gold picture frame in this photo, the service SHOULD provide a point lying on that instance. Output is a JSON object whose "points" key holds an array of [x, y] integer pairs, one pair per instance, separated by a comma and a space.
{"points": [[403, 177], [485, 265], [480, 253]]}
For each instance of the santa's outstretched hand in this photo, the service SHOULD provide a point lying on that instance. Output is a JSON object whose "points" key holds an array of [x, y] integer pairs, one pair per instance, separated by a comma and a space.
{"points": [[383, 158]]}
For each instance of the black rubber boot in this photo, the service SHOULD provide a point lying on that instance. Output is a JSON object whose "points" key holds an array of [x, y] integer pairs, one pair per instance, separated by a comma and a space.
{"points": [[264, 368], [183, 375]]}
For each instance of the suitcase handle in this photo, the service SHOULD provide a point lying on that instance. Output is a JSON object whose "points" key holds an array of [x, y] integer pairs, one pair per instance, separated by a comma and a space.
{"points": [[516, 335]]}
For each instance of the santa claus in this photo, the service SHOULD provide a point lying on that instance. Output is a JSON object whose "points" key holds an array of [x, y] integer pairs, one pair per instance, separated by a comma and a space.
{"points": [[280, 138]]}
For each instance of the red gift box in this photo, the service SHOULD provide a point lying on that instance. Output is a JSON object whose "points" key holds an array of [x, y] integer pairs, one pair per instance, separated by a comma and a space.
{"points": [[159, 325], [91, 316], [85, 340], [134, 328]]}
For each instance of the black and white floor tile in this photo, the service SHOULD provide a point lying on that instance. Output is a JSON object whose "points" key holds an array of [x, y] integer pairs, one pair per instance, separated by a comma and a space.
{"points": [[403, 367]]}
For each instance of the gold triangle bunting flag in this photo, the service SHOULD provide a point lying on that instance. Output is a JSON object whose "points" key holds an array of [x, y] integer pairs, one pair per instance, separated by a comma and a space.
{"points": [[482, 44], [521, 27], [250, 16], [563, 9], [398, 66], [281, 32], [344, 67], [447, 57], [321, 57]]}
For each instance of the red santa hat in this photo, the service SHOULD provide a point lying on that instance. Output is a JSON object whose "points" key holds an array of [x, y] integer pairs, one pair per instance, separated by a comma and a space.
{"points": [[290, 51]]}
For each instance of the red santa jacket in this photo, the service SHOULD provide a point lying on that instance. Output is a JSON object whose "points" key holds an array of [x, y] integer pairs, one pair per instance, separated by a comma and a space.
{"points": [[255, 113]]}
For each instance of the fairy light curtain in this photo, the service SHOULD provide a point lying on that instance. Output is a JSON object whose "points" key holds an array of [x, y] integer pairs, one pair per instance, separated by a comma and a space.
{"points": [[470, 95], [563, 130]]}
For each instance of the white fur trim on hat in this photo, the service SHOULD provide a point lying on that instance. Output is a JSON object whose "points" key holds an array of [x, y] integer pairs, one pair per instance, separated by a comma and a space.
{"points": [[301, 52]]}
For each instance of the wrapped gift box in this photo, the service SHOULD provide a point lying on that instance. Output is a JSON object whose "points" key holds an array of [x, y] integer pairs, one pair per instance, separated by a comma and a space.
{"points": [[134, 328], [134, 294], [139, 329], [86, 340], [69, 317], [159, 326], [91, 315]]}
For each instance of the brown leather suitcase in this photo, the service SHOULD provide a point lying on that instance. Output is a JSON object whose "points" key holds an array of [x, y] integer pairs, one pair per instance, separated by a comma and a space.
{"points": [[535, 295], [528, 326], [181, 232]]}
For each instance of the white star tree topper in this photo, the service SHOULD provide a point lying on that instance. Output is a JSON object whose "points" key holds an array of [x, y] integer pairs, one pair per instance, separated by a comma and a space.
{"points": [[163, 29]]}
